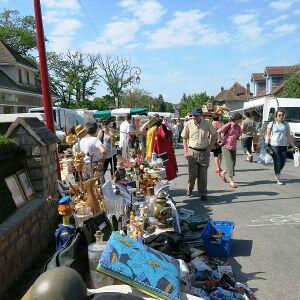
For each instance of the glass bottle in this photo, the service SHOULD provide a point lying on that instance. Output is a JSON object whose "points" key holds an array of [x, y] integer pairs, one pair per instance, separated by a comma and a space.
{"points": [[95, 251]]}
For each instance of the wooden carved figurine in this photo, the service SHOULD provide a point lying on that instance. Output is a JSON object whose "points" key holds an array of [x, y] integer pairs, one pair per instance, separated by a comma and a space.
{"points": [[92, 201]]}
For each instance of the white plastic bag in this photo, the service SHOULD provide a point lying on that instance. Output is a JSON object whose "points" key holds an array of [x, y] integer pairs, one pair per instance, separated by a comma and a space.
{"points": [[264, 157], [297, 159], [268, 159]]}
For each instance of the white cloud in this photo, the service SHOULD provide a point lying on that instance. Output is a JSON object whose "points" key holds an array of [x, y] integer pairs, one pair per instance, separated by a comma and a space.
{"points": [[72, 5], [115, 35], [66, 27], [276, 20], [248, 28], [297, 11], [252, 62], [147, 11], [53, 16], [282, 4], [62, 27], [286, 29], [185, 29], [62, 35], [243, 19]]}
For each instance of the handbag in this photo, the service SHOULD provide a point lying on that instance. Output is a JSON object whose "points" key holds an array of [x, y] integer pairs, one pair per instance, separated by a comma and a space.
{"points": [[142, 267], [73, 254]]}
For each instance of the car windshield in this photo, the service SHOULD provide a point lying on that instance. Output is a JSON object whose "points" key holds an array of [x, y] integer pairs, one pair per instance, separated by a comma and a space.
{"points": [[292, 114]]}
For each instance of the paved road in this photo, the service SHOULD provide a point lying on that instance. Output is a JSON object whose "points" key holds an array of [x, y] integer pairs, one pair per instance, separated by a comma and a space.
{"points": [[266, 247]]}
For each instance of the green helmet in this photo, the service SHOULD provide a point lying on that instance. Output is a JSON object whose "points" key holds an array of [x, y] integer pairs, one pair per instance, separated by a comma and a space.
{"points": [[59, 284]]}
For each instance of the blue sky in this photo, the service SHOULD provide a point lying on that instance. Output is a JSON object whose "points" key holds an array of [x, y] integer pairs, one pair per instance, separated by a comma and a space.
{"points": [[180, 45]]}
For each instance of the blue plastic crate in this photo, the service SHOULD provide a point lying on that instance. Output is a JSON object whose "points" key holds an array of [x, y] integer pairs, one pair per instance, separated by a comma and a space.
{"points": [[218, 246]]}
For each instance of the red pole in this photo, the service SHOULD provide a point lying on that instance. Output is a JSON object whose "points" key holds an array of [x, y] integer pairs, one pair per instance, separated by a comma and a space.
{"points": [[47, 101]]}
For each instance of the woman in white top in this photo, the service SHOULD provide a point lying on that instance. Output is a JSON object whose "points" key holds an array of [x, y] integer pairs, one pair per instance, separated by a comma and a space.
{"points": [[278, 136], [92, 146]]}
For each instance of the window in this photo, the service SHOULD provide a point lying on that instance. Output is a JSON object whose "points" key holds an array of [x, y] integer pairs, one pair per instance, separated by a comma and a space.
{"points": [[276, 81], [8, 109], [22, 109], [20, 75], [27, 77]]}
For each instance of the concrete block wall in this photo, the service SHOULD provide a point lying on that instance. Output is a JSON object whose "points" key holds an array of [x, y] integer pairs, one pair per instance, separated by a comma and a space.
{"points": [[40, 162], [23, 237], [30, 229]]}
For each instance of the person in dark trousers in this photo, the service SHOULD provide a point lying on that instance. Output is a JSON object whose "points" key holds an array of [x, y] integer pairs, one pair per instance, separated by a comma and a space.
{"points": [[217, 150], [106, 137], [278, 136], [199, 137], [248, 132]]}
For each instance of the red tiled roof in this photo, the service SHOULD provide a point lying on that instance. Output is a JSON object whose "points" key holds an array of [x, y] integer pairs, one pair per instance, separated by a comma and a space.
{"points": [[282, 70], [258, 77], [236, 92]]}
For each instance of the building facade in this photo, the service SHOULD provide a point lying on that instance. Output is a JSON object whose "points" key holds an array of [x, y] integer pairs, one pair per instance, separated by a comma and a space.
{"points": [[273, 77], [234, 97], [19, 90]]}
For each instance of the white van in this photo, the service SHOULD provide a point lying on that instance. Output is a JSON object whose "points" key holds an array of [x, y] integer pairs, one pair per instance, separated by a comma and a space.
{"points": [[63, 117], [265, 108], [7, 119]]}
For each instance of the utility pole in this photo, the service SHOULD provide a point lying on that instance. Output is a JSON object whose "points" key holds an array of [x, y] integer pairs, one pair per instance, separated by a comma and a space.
{"points": [[47, 101], [46, 92]]}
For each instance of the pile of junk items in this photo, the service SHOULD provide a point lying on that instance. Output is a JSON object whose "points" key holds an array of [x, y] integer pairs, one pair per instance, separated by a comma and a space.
{"points": [[126, 239]]}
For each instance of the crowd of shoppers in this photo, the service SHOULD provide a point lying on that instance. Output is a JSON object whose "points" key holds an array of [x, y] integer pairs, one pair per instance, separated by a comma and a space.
{"points": [[200, 137]]}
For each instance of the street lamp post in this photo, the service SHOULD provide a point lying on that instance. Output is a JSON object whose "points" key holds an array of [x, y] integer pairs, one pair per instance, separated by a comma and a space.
{"points": [[137, 72]]}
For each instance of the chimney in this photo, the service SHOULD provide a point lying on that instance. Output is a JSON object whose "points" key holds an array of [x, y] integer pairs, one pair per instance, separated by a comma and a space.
{"points": [[222, 88], [248, 89]]}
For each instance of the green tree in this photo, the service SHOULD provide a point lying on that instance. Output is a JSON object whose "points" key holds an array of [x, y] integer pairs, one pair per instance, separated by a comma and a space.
{"points": [[291, 88], [73, 77], [115, 73], [168, 107], [189, 102], [17, 31], [139, 97]]}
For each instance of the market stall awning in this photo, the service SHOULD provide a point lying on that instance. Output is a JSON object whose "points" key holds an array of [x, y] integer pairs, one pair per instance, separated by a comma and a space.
{"points": [[102, 114], [120, 112]]}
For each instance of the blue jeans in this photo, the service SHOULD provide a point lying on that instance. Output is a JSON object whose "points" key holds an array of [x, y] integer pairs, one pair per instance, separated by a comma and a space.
{"points": [[279, 157]]}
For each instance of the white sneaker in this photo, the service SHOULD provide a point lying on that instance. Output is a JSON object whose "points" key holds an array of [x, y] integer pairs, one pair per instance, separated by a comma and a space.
{"points": [[280, 182]]}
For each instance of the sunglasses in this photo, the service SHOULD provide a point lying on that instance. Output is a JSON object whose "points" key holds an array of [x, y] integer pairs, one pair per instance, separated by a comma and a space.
{"points": [[280, 115]]}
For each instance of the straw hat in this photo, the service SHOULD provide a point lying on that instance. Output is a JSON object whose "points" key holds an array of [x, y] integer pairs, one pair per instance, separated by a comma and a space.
{"points": [[80, 129]]}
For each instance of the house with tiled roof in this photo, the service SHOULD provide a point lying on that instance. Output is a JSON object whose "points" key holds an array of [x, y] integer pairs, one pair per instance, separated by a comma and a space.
{"points": [[234, 97], [19, 90], [272, 79], [259, 84]]}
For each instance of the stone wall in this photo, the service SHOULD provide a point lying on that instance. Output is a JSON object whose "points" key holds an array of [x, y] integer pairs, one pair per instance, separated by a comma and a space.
{"points": [[30, 230], [23, 237], [40, 162]]}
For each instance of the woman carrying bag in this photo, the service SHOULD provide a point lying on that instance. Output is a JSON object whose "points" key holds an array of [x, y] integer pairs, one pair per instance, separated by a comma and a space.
{"points": [[231, 133], [278, 136]]}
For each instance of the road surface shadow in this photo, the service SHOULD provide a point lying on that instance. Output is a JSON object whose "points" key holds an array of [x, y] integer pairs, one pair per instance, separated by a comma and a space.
{"points": [[182, 174], [251, 170], [229, 198], [242, 277], [241, 247], [261, 182]]}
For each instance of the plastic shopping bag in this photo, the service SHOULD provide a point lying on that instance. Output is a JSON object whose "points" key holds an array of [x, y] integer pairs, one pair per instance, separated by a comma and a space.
{"points": [[297, 159], [264, 157]]}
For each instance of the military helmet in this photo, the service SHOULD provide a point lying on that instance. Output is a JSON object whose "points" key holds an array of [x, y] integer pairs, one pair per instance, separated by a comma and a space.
{"points": [[59, 284]]}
